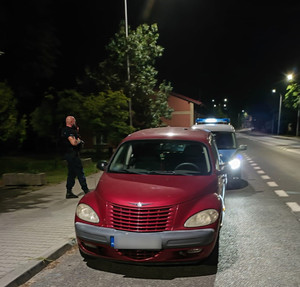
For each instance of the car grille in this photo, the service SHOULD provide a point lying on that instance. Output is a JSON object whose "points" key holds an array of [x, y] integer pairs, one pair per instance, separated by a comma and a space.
{"points": [[140, 219]]}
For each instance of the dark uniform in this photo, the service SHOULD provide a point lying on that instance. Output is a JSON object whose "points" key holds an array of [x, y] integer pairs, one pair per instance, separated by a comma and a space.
{"points": [[71, 155]]}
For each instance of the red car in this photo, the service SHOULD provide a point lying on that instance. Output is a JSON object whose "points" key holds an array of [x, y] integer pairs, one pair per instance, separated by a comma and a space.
{"points": [[159, 199]]}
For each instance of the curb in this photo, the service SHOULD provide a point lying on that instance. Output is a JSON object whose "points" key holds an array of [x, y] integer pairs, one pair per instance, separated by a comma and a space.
{"points": [[26, 271]]}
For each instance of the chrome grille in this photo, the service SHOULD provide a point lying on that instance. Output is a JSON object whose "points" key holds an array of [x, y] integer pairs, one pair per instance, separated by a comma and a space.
{"points": [[141, 219]]}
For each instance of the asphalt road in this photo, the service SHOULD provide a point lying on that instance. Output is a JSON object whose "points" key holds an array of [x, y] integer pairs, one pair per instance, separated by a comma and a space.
{"points": [[259, 242]]}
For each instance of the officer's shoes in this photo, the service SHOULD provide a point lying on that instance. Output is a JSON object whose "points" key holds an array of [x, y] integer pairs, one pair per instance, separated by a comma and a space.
{"points": [[86, 191], [70, 194]]}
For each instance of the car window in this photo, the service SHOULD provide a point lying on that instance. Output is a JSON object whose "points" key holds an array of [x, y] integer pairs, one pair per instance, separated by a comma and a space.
{"points": [[225, 140], [175, 157]]}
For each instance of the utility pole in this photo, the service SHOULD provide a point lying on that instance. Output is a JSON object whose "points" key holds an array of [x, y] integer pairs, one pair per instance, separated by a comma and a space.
{"points": [[128, 64]]}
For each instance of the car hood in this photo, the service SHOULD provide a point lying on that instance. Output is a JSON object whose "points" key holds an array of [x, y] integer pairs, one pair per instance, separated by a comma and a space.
{"points": [[226, 154], [156, 190]]}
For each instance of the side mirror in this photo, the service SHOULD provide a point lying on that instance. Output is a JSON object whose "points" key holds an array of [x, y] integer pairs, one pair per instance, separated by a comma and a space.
{"points": [[223, 168], [102, 164]]}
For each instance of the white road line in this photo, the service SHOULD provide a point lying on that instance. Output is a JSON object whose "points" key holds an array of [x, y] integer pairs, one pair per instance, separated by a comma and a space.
{"points": [[272, 183], [253, 164], [294, 206], [265, 177], [260, 171], [256, 167], [281, 193]]}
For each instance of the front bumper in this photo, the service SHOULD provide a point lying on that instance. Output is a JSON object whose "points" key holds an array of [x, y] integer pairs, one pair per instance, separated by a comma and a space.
{"points": [[145, 241]]}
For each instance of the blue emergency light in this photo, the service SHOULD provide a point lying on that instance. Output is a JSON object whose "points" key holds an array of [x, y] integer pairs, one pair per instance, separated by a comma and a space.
{"points": [[212, 121]]}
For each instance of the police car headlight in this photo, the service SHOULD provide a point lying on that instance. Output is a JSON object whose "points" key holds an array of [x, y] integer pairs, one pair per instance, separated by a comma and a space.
{"points": [[202, 218], [86, 213], [235, 163]]}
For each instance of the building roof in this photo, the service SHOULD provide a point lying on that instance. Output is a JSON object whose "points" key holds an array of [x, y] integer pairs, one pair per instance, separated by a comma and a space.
{"points": [[186, 98]]}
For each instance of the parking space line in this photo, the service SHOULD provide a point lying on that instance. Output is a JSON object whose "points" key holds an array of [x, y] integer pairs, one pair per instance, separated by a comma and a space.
{"points": [[281, 193], [272, 183], [294, 206]]}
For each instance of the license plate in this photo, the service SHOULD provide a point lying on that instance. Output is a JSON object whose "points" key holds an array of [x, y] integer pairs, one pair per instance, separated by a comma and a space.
{"points": [[140, 241]]}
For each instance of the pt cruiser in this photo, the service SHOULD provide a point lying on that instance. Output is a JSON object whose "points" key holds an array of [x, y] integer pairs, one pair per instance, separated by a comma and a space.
{"points": [[160, 199]]}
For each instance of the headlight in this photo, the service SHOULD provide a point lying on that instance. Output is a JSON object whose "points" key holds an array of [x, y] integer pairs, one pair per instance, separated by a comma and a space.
{"points": [[202, 218], [235, 163], [86, 213]]}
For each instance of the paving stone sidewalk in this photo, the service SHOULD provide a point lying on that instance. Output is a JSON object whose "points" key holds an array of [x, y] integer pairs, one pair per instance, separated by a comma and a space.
{"points": [[37, 226]]}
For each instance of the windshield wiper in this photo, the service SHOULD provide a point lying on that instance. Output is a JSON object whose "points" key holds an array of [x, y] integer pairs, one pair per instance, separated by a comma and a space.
{"points": [[130, 171], [162, 172]]}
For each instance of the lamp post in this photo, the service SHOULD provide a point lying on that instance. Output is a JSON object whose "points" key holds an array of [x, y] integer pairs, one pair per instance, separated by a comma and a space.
{"points": [[279, 110], [128, 66]]}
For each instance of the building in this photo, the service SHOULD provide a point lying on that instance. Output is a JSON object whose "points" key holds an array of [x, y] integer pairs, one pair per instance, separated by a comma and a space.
{"points": [[184, 110]]}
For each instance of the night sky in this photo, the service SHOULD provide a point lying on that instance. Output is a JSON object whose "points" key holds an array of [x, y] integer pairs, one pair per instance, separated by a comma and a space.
{"points": [[213, 49]]}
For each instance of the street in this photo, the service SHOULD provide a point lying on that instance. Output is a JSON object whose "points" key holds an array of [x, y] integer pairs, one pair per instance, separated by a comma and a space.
{"points": [[259, 242]]}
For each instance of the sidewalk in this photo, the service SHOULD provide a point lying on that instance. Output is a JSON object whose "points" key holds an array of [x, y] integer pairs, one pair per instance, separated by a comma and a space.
{"points": [[37, 226]]}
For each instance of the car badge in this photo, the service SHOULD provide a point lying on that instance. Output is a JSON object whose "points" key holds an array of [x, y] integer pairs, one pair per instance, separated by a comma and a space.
{"points": [[139, 204]]}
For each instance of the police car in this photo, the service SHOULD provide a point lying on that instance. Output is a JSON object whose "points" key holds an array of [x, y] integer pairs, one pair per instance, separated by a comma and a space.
{"points": [[227, 145]]}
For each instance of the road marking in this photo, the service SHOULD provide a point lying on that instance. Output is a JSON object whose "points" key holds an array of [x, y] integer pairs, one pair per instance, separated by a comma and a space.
{"points": [[257, 167], [272, 183], [265, 177], [253, 164], [261, 171], [294, 206], [281, 193]]}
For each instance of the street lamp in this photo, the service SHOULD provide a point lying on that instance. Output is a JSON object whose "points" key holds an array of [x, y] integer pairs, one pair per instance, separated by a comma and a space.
{"points": [[213, 101], [290, 77]]}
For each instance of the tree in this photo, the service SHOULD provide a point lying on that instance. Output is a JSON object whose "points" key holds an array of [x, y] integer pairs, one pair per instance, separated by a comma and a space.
{"points": [[12, 127], [141, 50], [292, 100], [107, 114], [47, 119], [103, 114], [292, 97], [159, 105]]}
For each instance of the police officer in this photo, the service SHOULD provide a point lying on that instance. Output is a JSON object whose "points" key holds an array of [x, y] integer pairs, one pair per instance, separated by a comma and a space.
{"points": [[72, 144]]}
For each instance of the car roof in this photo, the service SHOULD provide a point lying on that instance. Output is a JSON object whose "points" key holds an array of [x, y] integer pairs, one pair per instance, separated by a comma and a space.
{"points": [[176, 133], [215, 127]]}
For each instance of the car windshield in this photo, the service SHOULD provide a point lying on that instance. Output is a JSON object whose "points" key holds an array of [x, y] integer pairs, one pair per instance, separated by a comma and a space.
{"points": [[225, 140], [157, 157]]}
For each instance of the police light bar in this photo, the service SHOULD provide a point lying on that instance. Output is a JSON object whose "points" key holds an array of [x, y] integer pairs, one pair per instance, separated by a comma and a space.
{"points": [[212, 121]]}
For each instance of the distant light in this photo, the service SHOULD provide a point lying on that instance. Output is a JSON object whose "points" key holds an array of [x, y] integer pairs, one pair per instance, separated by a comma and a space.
{"points": [[211, 120], [290, 77], [212, 100], [225, 100], [215, 105], [274, 91]]}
